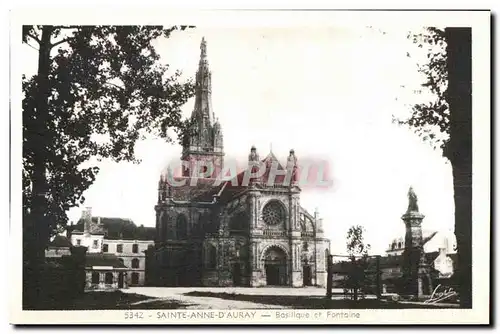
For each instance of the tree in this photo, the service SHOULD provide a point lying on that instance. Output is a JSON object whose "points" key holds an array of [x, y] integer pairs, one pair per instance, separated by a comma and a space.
{"points": [[446, 121], [97, 91], [358, 255]]}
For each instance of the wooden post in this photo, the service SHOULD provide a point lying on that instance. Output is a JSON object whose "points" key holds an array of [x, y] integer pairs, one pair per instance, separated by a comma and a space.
{"points": [[329, 277], [378, 277]]}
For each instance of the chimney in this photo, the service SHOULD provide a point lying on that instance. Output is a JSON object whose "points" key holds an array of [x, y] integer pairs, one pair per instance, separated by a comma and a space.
{"points": [[443, 247], [87, 219]]}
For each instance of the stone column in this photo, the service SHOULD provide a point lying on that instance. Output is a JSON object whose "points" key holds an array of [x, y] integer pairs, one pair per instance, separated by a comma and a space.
{"points": [[253, 208], [411, 256], [255, 263], [254, 251], [294, 239]]}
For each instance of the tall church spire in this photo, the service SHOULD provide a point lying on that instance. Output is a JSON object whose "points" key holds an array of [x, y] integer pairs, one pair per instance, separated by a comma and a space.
{"points": [[205, 140], [203, 112]]}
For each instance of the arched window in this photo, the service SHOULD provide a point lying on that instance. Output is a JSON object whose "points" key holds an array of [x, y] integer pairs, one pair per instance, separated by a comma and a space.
{"points": [[211, 257], [135, 263], [399, 245], [108, 278], [95, 277], [181, 227], [135, 278], [135, 248]]}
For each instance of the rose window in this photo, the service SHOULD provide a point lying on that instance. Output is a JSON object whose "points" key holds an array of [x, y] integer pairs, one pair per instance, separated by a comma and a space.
{"points": [[273, 213]]}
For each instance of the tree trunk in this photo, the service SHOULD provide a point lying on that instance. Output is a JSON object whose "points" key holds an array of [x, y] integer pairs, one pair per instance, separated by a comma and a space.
{"points": [[459, 150], [37, 226]]}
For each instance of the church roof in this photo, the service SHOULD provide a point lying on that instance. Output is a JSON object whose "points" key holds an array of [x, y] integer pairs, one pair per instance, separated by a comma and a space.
{"points": [[202, 191], [263, 180], [270, 158]]}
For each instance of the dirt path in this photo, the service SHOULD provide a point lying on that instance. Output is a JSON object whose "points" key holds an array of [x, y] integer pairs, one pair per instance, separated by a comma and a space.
{"points": [[195, 302]]}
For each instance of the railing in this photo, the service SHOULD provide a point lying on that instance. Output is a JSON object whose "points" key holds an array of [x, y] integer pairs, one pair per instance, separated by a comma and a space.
{"points": [[271, 233], [309, 234]]}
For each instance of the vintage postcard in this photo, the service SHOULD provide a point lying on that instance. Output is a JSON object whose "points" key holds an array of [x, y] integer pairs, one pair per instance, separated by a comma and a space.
{"points": [[250, 167]]}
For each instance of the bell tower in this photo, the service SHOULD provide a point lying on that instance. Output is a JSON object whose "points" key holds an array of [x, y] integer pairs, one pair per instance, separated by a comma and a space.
{"points": [[204, 143]]}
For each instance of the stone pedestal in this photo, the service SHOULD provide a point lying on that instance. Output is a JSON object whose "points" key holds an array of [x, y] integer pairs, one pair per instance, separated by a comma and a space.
{"points": [[413, 225], [415, 269]]}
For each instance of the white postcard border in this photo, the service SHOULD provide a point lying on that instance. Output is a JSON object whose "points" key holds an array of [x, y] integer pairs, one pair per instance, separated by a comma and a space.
{"points": [[480, 23]]}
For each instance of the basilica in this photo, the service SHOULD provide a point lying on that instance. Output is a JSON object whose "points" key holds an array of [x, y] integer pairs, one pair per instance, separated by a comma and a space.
{"points": [[212, 231]]}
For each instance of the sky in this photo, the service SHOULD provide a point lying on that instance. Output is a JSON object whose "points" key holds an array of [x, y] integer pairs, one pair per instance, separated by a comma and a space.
{"points": [[328, 93]]}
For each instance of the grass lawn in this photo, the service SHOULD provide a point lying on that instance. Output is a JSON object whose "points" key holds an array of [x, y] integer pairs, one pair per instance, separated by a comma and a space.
{"points": [[112, 300], [312, 302]]}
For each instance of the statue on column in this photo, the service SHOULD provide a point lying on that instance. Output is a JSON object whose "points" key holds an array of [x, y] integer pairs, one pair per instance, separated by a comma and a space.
{"points": [[412, 201], [292, 165], [416, 271], [253, 156]]}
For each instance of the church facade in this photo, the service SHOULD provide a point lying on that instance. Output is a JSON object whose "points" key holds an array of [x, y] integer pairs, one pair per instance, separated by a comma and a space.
{"points": [[213, 230]]}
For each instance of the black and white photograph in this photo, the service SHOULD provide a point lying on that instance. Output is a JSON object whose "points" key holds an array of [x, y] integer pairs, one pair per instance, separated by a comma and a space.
{"points": [[251, 167]]}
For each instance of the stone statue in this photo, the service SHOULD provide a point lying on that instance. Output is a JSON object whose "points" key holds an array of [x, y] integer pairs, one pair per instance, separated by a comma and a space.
{"points": [[412, 201], [291, 165], [292, 159], [253, 156]]}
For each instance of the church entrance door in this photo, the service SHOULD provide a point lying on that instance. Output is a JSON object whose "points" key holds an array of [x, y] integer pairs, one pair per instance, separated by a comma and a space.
{"points": [[275, 266], [306, 275]]}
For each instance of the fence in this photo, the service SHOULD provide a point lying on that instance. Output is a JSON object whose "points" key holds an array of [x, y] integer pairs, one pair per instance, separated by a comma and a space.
{"points": [[354, 276]]}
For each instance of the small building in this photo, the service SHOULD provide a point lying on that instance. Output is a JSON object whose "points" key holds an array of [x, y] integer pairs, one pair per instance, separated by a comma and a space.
{"points": [[118, 246], [105, 272], [130, 253], [58, 247]]}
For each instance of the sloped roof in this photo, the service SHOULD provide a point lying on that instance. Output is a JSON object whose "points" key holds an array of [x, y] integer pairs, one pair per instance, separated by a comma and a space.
{"points": [[262, 180], [195, 189], [121, 228], [204, 189], [103, 260], [60, 241]]}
